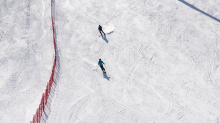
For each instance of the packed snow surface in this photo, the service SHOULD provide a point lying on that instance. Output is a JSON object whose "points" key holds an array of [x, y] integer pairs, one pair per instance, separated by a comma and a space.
{"points": [[162, 59]]}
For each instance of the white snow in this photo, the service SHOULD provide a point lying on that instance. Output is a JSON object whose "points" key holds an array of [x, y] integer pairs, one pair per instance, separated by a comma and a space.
{"points": [[162, 60], [108, 28]]}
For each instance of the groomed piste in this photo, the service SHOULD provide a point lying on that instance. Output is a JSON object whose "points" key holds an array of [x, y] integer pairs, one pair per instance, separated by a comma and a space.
{"points": [[161, 60]]}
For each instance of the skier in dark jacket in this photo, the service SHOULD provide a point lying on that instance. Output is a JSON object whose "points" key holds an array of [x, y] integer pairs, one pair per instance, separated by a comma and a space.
{"points": [[100, 63], [100, 30]]}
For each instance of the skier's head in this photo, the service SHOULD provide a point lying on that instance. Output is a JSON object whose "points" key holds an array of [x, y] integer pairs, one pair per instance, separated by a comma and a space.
{"points": [[99, 25], [99, 59]]}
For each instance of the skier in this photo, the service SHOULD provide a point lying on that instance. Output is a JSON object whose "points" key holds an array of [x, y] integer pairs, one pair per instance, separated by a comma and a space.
{"points": [[100, 30], [100, 63]]}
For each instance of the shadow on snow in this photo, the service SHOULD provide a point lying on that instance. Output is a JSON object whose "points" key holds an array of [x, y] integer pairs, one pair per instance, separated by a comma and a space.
{"points": [[110, 32], [105, 76], [104, 38], [197, 9]]}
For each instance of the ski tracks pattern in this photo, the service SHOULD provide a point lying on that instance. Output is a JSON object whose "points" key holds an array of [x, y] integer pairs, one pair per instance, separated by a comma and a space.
{"points": [[151, 68]]}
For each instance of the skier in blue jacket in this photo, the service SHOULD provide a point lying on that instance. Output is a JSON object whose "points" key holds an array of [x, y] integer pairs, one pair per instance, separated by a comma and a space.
{"points": [[100, 30], [100, 63]]}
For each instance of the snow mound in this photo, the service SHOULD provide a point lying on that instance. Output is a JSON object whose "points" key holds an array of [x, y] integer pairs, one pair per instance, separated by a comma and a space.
{"points": [[108, 28]]}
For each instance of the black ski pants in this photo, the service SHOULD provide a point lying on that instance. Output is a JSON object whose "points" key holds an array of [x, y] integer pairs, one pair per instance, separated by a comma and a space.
{"points": [[103, 69], [101, 31]]}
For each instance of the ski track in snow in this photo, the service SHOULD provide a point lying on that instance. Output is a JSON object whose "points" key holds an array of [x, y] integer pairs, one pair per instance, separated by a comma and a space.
{"points": [[126, 86], [162, 61], [25, 60]]}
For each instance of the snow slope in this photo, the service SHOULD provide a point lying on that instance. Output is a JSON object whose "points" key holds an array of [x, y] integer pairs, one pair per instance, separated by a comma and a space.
{"points": [[162, 62], [26, 57]]}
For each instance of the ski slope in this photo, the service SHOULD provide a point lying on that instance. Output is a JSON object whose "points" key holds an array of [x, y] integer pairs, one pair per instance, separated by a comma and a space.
{"points": [[26, 57], [162, 61]]}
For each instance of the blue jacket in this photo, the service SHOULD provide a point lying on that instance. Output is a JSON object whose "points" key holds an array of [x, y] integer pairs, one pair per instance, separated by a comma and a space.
{"points": [[100, 28], [101, 63]]}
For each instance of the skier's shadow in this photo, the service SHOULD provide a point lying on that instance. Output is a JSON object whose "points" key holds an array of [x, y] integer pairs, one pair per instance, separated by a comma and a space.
{"points": [[104, 38], [105, 76]]}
